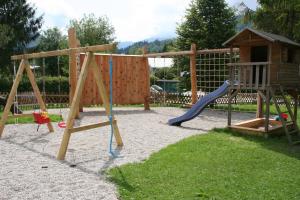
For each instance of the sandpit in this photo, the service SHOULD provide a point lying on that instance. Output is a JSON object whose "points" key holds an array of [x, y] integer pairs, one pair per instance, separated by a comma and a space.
{"points": [[29, 169]]}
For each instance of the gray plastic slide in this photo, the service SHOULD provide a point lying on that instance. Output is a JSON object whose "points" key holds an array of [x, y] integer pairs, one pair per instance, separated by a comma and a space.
{"points": [[200, 105]]}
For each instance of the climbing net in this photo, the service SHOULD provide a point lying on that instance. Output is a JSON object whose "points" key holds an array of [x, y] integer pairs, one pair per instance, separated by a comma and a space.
{"points": [[212, 68]]}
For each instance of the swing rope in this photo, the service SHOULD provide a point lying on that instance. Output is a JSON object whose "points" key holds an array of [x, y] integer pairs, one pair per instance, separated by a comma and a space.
{"points": [[111, 106]]}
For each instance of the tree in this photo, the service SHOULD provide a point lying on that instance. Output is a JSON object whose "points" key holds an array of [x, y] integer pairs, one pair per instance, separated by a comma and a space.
{"points": [[19, 26], [91, 30], [53, 39], [279, 17], [207, 23]]}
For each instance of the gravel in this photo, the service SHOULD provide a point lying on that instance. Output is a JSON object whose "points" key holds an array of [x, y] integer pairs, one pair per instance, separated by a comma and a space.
{"points": [[29, 169]]}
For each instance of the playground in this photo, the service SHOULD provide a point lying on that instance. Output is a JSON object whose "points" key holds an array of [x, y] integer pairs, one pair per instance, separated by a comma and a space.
{"points": [[31, 156], [113, 140]]}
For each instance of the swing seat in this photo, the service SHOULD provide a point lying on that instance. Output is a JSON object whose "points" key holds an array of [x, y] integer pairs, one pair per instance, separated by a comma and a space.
{"points": [[62, 125], [39, 118]]}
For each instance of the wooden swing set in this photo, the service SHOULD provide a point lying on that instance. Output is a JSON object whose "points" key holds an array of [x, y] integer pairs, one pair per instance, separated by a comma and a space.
{"points": [[89, 63]]}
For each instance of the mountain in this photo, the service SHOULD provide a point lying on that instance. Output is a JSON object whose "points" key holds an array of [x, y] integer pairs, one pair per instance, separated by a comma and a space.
{"points": [[122, 45], [243, 13], [154, 45]]}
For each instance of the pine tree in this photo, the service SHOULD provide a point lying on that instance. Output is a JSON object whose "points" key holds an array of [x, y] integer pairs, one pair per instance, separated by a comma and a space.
{"points": [[279, 17], [208, 23], [18, 27]]}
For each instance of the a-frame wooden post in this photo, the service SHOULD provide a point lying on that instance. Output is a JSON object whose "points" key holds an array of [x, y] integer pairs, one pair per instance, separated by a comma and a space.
{"points": [[24, 65], [89, 62], [99, 81]]}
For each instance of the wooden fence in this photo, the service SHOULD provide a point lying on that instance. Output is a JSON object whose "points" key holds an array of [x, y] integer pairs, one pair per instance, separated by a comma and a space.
{"points": [[168, 99], [131, 80]]}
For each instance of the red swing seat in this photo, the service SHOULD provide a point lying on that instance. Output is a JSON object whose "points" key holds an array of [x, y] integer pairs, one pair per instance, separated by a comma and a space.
{"points": [[62, 124], [40, 119]]}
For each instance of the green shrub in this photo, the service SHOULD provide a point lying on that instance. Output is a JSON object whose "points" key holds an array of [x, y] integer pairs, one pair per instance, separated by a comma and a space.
{"points": [[51, 84]]}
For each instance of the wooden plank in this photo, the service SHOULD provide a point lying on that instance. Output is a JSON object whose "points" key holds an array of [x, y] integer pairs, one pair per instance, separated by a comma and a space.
{"points": [[12, 94], [250, 123], [168, 54], [37, 92], [250, 76], [105, 99], [239, 76], [264, 78], [73, 109], [193, 73], [267, 114], [247, 64], [225, 50], [65, 52], [257, 77], [245, 77], [90, 126]]}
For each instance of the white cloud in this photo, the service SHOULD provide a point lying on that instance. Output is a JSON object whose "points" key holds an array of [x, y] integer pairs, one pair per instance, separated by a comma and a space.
{"points": [[133, 20]]}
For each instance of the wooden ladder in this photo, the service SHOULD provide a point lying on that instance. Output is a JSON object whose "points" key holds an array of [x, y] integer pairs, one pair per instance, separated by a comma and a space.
{"points": [[285, 123]]}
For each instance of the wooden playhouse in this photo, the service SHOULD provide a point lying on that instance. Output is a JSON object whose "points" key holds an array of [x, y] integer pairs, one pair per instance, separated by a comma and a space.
{"points": [[269, 65]]}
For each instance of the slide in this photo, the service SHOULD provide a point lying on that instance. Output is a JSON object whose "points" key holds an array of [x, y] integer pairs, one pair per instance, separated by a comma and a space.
{"points": [[14, 108], [200, 105]]}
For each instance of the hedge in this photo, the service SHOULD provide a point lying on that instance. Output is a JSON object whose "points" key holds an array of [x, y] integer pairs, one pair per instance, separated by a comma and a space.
{"points": [[51, 84]]}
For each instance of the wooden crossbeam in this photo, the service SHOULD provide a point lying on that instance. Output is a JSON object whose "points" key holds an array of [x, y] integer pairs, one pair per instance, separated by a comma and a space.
{"points": [[168, 54], [65, 52], [91, 126]]}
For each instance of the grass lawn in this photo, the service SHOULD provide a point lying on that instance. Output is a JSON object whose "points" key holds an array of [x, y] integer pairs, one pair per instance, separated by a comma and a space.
{"points": [[218, 165], [29, 120]]}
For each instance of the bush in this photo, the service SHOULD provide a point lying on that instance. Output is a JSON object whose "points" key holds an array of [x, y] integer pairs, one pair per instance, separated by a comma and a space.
{"points": [[51, 84]]}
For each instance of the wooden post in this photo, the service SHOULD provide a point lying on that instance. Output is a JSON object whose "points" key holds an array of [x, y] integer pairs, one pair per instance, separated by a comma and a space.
{"points": [[231, 77], [73, 43], [193, 73], [267, 115], [11, 96], [24, 65], [89, 62], [101, 87], [74, 108], [37, 93], [147, 68], [259, 109]]}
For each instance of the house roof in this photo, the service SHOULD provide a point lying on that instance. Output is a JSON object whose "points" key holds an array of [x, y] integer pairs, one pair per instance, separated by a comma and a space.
{"points": [[268, 36]]}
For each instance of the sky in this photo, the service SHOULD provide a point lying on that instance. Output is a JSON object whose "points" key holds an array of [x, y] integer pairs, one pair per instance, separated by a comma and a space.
{"points": [[133, 20]]}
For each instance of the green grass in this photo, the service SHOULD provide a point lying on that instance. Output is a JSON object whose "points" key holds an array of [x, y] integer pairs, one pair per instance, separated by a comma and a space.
{"points": [[218, 165], [29, 120]]}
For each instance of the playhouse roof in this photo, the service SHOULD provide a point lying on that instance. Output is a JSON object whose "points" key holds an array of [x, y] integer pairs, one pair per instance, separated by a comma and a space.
{"points": [[268, 36]]}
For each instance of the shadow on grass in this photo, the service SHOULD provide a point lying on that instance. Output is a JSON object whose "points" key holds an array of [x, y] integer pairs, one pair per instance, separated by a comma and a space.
{"points": [[121, 181], [274, 143]]}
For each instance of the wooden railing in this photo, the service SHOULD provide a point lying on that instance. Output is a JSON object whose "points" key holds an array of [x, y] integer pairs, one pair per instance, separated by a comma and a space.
{"points": [[253, 75]]}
